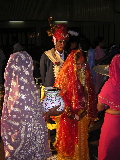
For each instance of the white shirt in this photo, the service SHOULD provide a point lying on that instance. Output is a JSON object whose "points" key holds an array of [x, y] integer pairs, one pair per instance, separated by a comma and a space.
{"points": [[61, 55]]}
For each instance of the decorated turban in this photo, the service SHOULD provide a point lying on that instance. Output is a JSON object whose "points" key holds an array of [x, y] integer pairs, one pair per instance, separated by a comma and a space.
{"points": [[61, 32], [58, 31]]}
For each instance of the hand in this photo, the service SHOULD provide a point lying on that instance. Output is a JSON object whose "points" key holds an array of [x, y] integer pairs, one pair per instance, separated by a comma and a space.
{"points": [[77, 117], [71, 116], [74, 116], [52, 112]]}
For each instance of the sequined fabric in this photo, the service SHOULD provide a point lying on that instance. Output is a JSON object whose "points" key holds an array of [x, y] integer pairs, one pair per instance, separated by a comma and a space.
{"points": [[23, 128], [71, 141]]}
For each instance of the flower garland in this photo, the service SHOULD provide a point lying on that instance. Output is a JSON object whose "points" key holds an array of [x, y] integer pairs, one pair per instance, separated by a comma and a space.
{"points": [[57, 64], [56, 68]]}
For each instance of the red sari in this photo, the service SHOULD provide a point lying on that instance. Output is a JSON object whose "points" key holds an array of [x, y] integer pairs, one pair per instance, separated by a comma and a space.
{"points": [[71, 140]]}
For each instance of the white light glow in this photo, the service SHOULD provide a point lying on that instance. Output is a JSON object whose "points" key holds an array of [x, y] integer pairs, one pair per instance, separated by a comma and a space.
{"points": [[57, 22], [16, 21]]}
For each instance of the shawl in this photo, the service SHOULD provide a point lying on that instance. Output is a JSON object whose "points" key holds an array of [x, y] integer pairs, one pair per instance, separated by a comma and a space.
{"points": [[22, 126], [110, 91], [72, 92]]}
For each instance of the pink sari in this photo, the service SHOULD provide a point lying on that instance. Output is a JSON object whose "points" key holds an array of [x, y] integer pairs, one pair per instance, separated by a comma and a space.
{"points": [[109, 142]]}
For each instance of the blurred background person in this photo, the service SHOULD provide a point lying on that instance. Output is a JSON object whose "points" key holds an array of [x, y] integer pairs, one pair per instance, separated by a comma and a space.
{"points": [[73, 41], [16, 46], [89, 53], [112, 51], [100, 56]]}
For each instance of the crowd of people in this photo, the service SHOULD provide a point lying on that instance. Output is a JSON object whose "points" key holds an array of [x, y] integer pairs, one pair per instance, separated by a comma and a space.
{"points": [[68, 67]]}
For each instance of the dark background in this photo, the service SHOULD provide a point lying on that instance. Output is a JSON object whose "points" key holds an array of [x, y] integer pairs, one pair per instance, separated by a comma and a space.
{"points": [[89, 17]]}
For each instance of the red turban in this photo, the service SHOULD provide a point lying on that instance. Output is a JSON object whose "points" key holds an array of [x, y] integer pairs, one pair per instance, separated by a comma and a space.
{"points": [[61, 32]]}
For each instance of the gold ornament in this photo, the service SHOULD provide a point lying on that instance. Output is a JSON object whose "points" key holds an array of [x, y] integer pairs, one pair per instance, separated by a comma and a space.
{"points": [[50, 31]]}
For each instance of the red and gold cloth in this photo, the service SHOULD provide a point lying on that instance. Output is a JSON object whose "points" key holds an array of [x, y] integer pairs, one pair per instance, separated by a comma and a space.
{"points": [[72, 92], [61, 32]]}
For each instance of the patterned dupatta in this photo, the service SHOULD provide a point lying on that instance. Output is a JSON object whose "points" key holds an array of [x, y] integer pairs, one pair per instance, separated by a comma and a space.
{"points": [[72, 91]]}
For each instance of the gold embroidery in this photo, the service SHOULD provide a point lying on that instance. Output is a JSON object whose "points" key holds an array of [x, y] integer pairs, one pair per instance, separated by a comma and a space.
{"points": [[54, 57]]}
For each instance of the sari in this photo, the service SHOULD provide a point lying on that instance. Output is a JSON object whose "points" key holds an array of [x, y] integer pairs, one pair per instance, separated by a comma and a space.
{"points": [[23, 128], [72, 135], [109, 142]]}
